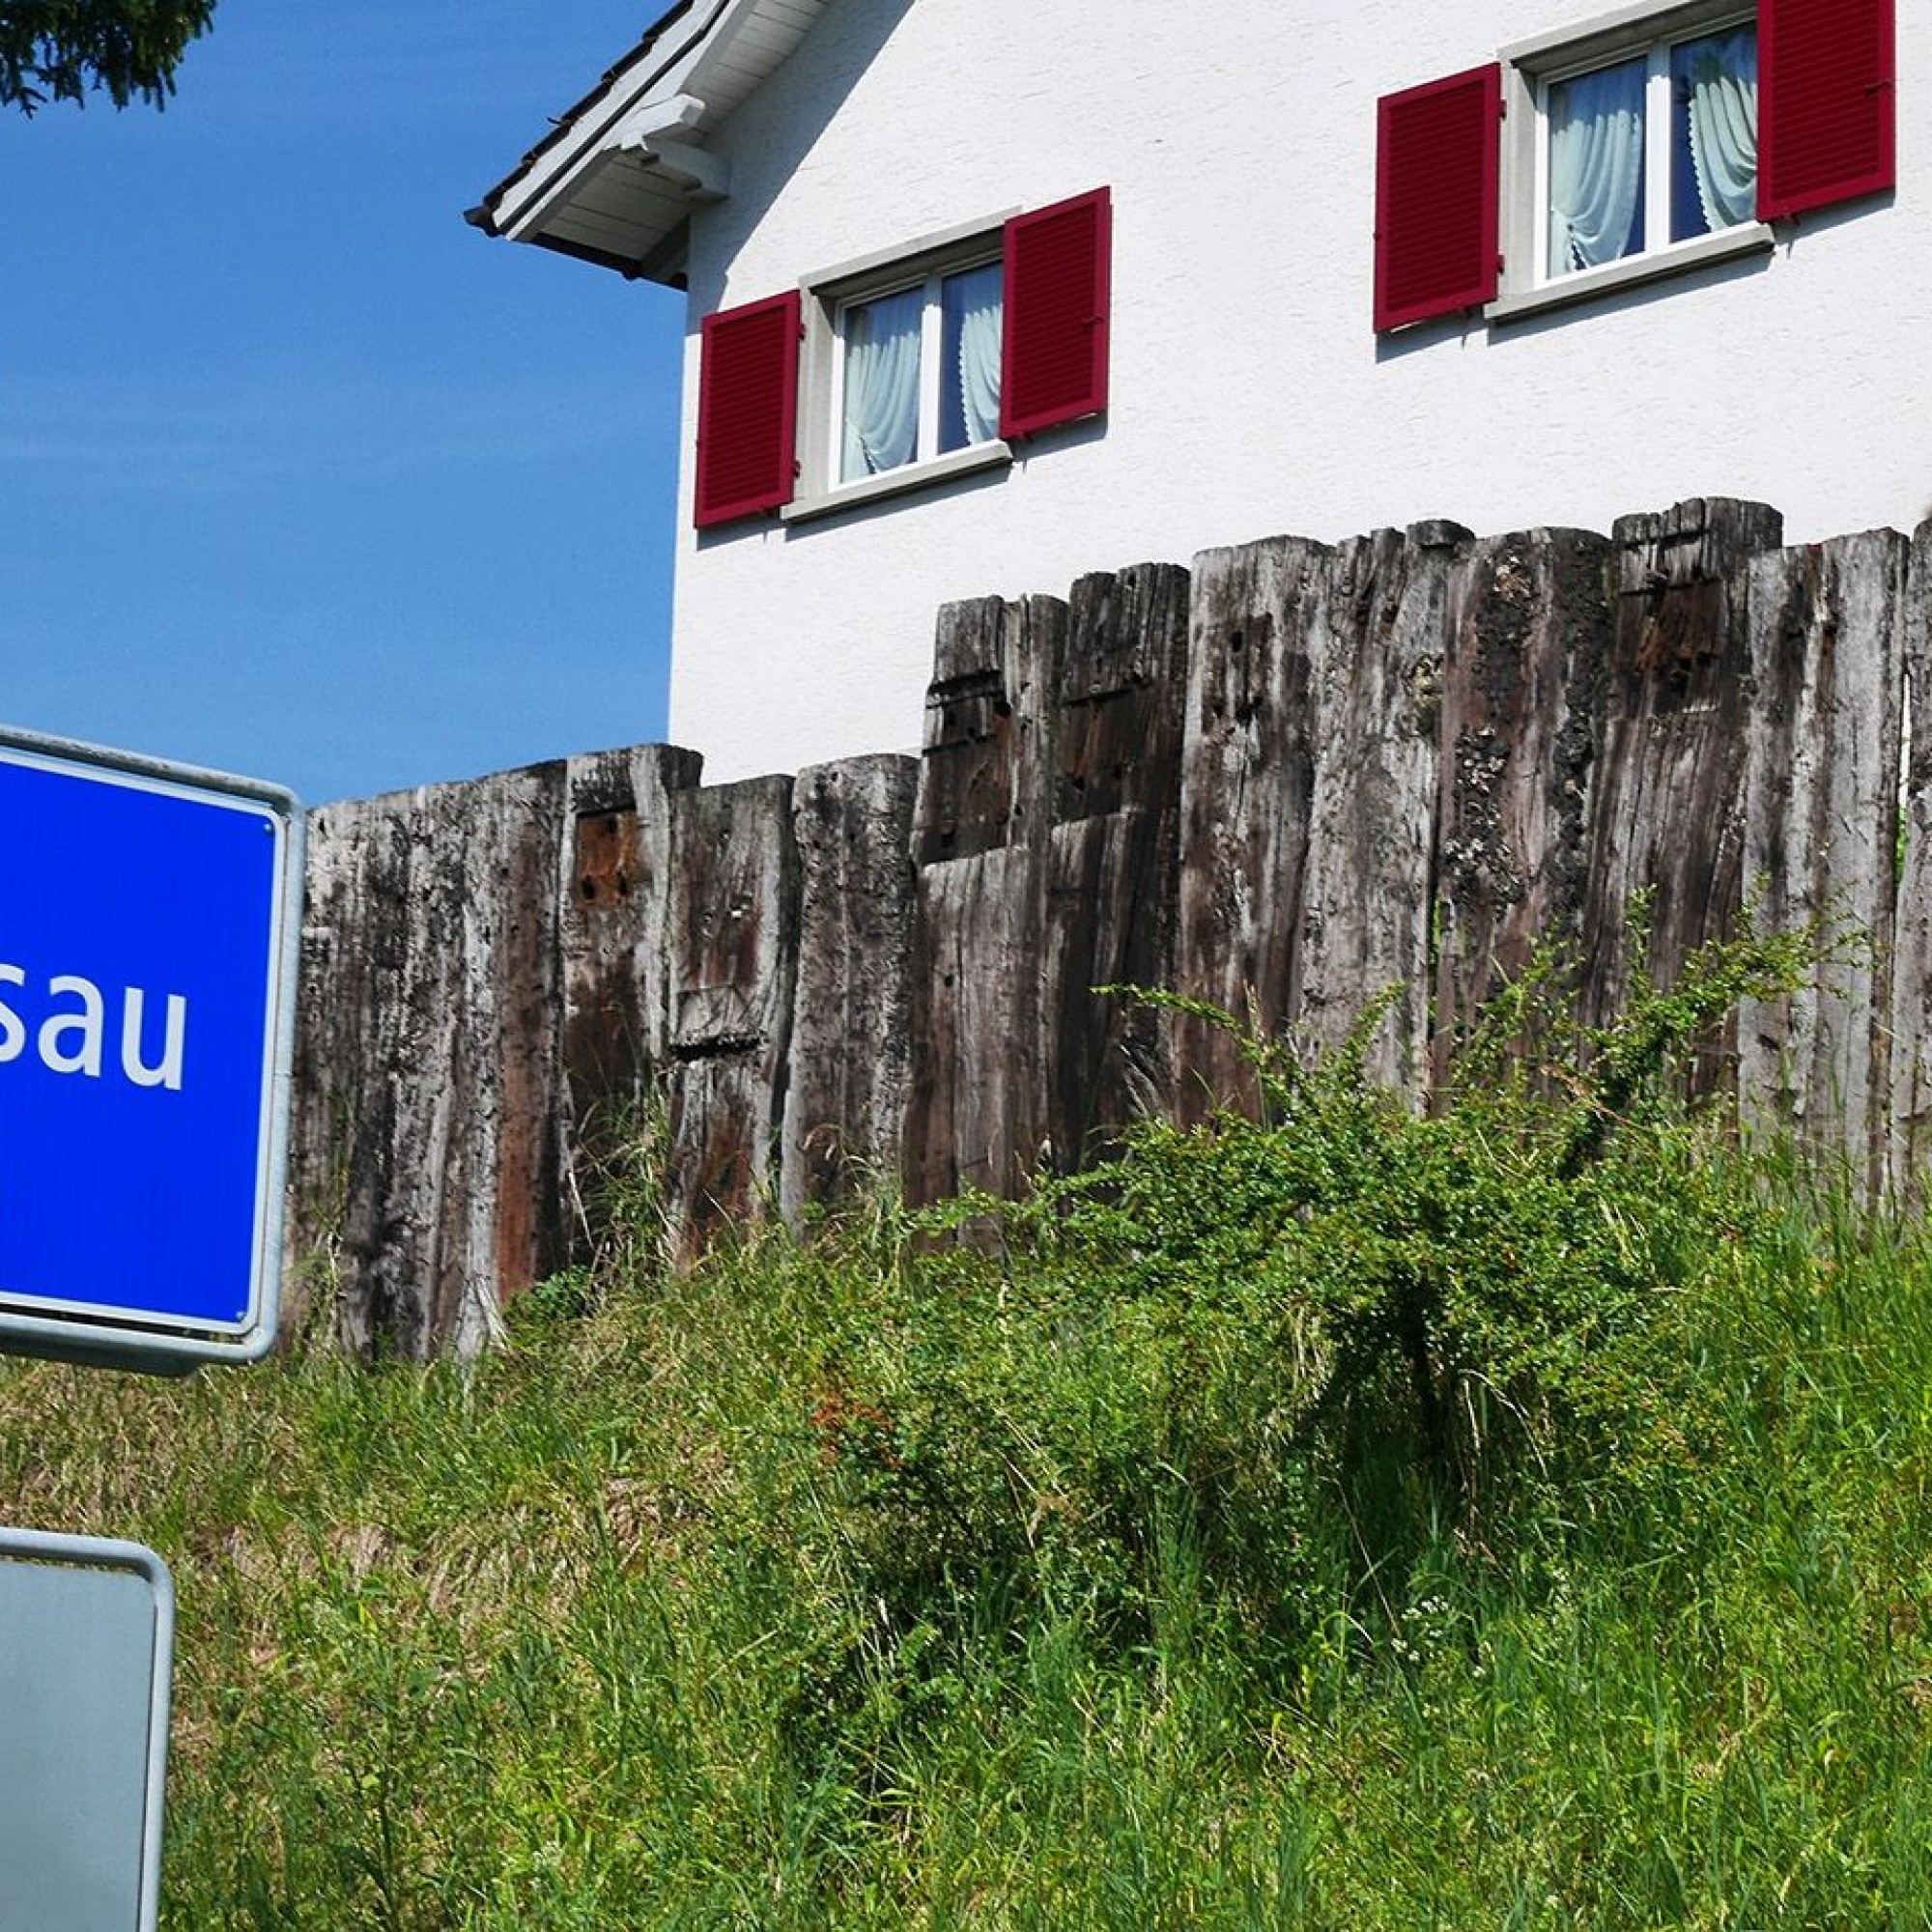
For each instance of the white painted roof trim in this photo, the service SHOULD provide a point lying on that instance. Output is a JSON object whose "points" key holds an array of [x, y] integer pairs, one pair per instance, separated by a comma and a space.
{"points": [[645, 114]]}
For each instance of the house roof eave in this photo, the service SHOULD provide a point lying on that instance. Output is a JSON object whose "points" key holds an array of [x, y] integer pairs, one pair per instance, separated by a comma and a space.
{"points": [[613, 180]]}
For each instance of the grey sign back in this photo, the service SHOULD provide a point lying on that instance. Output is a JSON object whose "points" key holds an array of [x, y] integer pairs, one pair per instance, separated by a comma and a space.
{"points": [[86, 1664]]}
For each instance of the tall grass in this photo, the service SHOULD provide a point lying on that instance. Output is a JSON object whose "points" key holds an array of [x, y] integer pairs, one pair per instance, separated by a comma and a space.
{"points": [[882, 1579]]}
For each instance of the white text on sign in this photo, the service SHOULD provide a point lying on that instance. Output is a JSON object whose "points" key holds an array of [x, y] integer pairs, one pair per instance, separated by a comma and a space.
{"points": [[73, 1039]]}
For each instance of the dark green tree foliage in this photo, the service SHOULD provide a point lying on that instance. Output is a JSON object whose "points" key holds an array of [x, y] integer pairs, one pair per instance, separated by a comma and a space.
{"points": [[59, 49]]}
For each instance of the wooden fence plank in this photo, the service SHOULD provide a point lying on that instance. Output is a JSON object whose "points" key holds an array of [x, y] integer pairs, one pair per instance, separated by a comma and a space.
{"points": [[987, 719], [977, 1115], [1822, 830], [1668, 808], [1247, 797], [851, 1042], [1911, 1127], [422, 1154], [731, 944], [1528, 638], [1109, 889], [1375, 697], [614, 870], [1309, 793]]}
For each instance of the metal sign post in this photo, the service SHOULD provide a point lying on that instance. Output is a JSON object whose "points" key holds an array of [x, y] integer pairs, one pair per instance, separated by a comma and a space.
{"points": [[149, 923]]}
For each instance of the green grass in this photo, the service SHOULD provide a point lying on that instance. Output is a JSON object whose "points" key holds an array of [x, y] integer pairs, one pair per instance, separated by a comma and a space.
{"points": [[590, 1636], [1054, 1580]]}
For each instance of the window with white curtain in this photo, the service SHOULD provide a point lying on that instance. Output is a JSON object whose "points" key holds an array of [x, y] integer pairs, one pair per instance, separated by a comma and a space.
{"points": [[918, 371], [900, 355], [1596, 159], [1645, 153]]}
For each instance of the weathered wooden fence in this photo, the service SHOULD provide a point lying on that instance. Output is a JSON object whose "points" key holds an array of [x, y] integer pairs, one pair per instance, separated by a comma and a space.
{"points": [[1295, 776]]}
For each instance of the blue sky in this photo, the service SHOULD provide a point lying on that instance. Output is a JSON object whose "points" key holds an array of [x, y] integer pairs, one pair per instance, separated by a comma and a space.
{"points": [[302, 478]]}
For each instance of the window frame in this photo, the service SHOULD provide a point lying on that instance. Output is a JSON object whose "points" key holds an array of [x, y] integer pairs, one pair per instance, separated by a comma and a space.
{"points": [[930, 424], [824, 296], [1528, 67]]}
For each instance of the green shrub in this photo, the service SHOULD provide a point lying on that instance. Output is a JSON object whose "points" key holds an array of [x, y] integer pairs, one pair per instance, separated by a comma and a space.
{"points": [[1301, 1346]]}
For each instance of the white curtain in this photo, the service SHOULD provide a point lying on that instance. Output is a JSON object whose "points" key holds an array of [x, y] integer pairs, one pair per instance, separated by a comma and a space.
{"points": [[972, 310], [1596, 166], [882, 339], [1720, 71]]}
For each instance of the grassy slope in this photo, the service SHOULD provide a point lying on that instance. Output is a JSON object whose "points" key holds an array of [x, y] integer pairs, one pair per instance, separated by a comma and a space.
{"points": [[588, 1637]]}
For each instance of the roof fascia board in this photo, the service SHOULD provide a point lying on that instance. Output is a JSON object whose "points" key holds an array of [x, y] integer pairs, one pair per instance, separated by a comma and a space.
{"points": [[551, 180]]}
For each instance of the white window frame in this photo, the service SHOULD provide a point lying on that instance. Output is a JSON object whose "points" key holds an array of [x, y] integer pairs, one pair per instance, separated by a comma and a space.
{"points": [[1529, 67], [827, 296]]}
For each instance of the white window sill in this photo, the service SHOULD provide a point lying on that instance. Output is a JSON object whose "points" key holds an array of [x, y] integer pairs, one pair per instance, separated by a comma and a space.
{"points": [[1748, 238], [898, 482]]}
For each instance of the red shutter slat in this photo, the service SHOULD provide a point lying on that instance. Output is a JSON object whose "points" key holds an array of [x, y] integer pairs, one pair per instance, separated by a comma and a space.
{"points": [[1053, 354], [747, 410], [1439, 151], [1825, 102]]}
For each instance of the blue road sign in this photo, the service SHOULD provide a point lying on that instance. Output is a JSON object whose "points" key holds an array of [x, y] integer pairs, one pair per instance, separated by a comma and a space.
{"points": [[148, 929]]}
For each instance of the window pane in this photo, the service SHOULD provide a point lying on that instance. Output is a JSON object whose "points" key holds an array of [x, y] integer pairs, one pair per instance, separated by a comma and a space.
{"points": [[1713, 133], [881, 425], [969, 346], [1596, 166]]}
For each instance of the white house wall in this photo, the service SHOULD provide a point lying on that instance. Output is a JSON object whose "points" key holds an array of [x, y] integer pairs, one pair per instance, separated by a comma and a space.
{"points": [[1249, 394]]}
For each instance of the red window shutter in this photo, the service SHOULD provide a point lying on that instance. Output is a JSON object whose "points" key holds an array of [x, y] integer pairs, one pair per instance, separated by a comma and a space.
{"points": [[1825, 102], [747, 410], [1053, 354], [1439, 154]]}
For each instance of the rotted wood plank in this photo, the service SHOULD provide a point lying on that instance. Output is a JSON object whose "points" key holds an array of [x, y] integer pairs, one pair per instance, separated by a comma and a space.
{"points": [[1911, 1132], [977, 1113], [1668, 808], [1375, 697], [986, 713], [424, 1156], [1247, 798], [1046, 821], [1820, 832], [731, 944], [851, 1040], [1528, 632], [1111, 883], [1309, 791], [614, 870]]}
